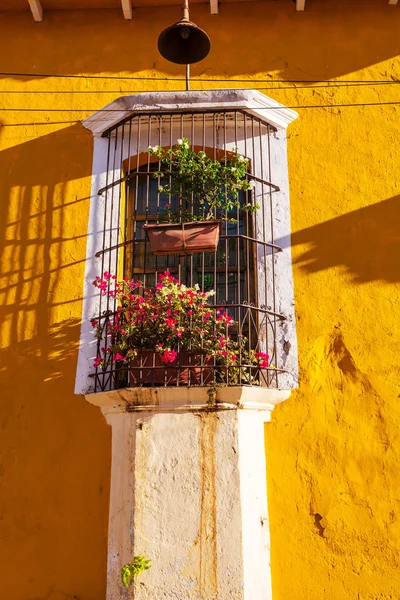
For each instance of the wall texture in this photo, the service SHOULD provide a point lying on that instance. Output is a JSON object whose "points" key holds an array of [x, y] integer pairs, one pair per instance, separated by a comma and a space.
{"points": [[333, 448]]}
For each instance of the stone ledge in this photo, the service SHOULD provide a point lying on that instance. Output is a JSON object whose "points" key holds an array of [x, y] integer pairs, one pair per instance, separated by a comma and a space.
{"points": [[251, 101], [183, 399]]}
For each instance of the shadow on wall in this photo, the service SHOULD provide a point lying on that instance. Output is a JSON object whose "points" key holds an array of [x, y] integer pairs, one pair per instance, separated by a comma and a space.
{"points": [[365, 242], [54, 462]]}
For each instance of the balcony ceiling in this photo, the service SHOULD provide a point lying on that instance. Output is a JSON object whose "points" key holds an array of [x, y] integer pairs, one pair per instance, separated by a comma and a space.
{"points": [[23, 5], [39, 7]]}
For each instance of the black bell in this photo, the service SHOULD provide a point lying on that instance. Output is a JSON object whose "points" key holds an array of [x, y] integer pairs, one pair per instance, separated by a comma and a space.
{"points": [[184, 43]]}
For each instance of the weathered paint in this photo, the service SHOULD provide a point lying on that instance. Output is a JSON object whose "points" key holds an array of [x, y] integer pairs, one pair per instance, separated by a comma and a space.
{"points": [[188, 484], [333, 447]]}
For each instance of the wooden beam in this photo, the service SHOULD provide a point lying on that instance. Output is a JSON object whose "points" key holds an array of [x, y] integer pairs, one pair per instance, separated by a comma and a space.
{"points": [[300, 4], [37, 10], [127, 9], [214, 7]]}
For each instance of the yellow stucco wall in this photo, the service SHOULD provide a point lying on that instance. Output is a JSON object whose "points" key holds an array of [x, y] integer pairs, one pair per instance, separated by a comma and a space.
{"points": [[333, 448]]}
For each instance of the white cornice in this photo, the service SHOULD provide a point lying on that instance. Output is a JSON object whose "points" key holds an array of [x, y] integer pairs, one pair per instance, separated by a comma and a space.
{"points": [[252, 101], [183, 399]]}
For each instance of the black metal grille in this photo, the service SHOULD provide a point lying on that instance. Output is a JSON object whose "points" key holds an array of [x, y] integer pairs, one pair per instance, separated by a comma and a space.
{"points": [[241, 271]]}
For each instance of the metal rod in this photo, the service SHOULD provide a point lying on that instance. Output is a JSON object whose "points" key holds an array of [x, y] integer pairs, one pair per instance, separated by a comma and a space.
{"points": [[185, 10], [187, 78], [133, 174]]}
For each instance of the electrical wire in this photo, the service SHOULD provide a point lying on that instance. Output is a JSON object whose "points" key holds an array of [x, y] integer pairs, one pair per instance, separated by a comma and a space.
{"points": [[170, 79], [361, 104], [271, 88], [118, 110]]}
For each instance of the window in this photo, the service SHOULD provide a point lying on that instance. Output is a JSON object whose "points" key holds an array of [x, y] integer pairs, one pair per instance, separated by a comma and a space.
{"points": [[249, 272]]}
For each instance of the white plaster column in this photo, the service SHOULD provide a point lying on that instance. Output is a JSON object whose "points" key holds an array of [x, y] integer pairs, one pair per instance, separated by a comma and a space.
{"points": [[188, 490]]}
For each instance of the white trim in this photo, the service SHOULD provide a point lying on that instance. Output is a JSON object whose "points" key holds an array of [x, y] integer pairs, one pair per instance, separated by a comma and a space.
{"points": [[214, 7], [90, 305], [284, 287], [254, 507], [300, 4], [127, 9], [36, 9], [252, 101], [183, 399]]}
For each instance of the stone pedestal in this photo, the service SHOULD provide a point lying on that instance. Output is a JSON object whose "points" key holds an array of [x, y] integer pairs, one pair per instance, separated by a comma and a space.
{"points": [[188, 490]]}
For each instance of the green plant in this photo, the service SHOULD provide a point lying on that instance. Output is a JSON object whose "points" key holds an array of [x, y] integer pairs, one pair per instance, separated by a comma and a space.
{"points": [[131, 570], [200, 188]]}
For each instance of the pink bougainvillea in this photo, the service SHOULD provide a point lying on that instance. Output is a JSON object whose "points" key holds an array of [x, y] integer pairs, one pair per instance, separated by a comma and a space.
{"points": [[167, 319]]}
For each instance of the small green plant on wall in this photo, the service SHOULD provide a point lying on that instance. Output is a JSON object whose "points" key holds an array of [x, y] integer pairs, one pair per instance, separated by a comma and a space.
{"points": [[131, 570]]}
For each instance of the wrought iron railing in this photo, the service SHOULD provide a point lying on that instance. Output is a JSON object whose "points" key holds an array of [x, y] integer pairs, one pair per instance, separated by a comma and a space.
{"points": [[241, 271]]}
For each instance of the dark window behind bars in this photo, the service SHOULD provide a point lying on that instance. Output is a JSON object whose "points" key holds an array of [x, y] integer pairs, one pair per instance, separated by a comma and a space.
{"points": [[241, 271]]}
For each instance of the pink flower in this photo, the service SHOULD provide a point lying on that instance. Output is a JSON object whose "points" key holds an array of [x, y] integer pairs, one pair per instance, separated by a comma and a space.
{"points": [[97, 362], [94, 323], [168, 356], [171, 322], [118, 356], [107, 275], [263, 359]]}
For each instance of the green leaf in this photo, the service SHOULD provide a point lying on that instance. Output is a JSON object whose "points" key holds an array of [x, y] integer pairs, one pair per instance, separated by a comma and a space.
{"points": [[131, 570]]}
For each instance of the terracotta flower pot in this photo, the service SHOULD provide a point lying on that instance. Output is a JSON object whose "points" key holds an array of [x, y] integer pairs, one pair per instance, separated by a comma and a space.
{"points": [[147, 369], [184, 238]]}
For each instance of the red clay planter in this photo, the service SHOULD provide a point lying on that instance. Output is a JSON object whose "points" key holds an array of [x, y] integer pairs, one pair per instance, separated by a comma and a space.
{"points": [[184, 238], [147, 369]]}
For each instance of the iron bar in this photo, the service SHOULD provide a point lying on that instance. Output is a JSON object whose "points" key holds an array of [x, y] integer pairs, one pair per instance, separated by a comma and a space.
{"points": [[241, 271], [135, 174]]}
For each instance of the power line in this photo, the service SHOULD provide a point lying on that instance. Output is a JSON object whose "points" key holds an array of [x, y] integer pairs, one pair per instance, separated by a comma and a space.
{"points": [[38, 123], [271, 88], [118, 110], [254, 108], [170, 79]]}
